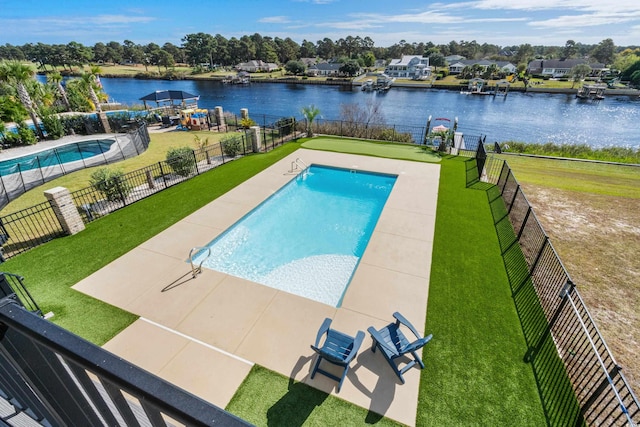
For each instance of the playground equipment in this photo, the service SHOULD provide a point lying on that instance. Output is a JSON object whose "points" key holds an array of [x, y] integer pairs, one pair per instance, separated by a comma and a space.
{"points": [[194, 119]]}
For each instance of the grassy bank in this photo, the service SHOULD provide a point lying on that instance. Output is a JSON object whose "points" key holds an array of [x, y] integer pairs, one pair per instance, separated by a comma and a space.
{"points": [[574, 151], [591, 213]]}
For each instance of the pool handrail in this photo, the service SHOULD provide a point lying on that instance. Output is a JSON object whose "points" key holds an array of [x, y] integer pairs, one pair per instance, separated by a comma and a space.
{"points": [[197, 270]]}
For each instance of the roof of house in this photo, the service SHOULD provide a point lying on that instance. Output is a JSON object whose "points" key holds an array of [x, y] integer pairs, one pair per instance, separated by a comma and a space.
{"points": [[326, 66], [563, 63], [406, 59]]}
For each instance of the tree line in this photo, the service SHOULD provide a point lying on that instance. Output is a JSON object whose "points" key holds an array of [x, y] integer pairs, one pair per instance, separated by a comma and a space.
{"points": [[206, 50]]}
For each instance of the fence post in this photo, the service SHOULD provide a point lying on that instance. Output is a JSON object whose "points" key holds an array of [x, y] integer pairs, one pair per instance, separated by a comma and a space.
{"points": [[164, 179], [65, 210], [24, 189], [195, 162]]}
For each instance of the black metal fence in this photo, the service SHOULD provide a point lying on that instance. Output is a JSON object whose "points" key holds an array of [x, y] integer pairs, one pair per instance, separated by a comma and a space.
{"points": [[28, 228], [58, 379], [578, 377], [20, 177], [31, 227]]}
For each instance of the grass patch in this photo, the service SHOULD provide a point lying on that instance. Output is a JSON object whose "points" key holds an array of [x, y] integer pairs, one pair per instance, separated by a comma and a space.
{"points": [[574, 151], [373, 148], [587, 177], [50, 270], [160, 143], [474, 372], [266, 398]]}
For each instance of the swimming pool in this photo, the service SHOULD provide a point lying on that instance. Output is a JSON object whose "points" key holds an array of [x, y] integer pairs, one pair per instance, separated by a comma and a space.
{"points": [[307, 238], [61, 154]]}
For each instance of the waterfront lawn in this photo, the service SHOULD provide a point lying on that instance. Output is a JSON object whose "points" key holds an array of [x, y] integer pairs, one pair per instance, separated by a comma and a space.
{"points": [[474, 371], [373, 148]]}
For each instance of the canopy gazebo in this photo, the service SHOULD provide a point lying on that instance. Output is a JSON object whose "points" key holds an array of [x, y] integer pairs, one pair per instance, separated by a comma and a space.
{"points": [[169, 98]]}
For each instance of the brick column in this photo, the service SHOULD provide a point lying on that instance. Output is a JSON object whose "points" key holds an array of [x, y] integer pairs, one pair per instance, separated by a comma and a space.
{"points": [[220, 119], [65, 209], [256, 143]]}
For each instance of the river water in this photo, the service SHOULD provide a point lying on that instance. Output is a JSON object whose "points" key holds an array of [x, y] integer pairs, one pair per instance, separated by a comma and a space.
{"points": [[527, 117]]}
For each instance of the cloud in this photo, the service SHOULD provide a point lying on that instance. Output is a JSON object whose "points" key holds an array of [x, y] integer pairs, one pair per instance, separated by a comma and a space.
{"points": [[585, 20], [275, 20]]}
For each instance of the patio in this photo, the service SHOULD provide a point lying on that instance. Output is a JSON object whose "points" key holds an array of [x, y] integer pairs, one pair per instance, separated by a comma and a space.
{"points": [[205, 334]]}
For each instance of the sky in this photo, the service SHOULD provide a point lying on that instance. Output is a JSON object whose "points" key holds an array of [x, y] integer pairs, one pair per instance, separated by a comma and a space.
{"points": [[500, 22]]}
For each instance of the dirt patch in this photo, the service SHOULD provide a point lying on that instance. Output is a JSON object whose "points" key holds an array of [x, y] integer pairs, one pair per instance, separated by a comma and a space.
{"points": [[598, 239]]}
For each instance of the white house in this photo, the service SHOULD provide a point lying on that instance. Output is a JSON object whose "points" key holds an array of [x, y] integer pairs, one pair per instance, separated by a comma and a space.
{"points": [[504, 66], [409, 67]]}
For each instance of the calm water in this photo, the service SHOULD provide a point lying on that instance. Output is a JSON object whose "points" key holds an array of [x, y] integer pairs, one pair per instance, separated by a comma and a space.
{"points": [[307, 238], [522, 117]]}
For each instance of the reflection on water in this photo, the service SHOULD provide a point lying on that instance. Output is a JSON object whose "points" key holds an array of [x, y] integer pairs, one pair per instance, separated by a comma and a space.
{"points": [[529, 117]]}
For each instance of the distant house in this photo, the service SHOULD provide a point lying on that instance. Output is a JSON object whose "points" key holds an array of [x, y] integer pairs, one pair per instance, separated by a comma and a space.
{"points": [[325, 69], [308, 62], [256, 66], [504, 66], [454, 58], [380, 63], [409, 66], [557, 68]]}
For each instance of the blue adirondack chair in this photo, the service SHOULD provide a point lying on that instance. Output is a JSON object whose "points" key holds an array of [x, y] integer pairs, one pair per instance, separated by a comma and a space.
{"points": [[337, 348], [393, 344]]}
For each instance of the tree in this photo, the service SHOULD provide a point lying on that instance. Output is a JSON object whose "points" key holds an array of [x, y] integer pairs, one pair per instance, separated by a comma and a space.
{"points": [[604, 52], [310, 113], [307, 49], [294, 67], [326, 49], [635, 79], [350, 68], [436, 59], [578, 73], [115, 52], [570, 49], [368, 59], [199, 48], [56, 79], [525, 54], [16, 73], [88, 83], [100, 52]]}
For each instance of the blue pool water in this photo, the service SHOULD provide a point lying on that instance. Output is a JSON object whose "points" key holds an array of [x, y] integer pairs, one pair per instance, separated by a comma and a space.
{"points": [[306, 239], [55, 156]]}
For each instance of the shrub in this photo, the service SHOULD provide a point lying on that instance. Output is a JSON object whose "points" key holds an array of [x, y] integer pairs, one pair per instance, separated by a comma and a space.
{"points": [[11, 139], [53, 126], [111, 183], [181, 160], [26, 135], [231, 145], [247, 122]]}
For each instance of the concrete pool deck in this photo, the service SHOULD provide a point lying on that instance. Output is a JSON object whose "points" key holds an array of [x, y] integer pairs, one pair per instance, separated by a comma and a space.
{"points": [[204, 334]]}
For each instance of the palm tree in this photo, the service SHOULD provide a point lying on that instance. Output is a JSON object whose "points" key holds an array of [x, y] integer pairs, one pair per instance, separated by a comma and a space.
{"points": [[310, 113], [56, 78], [14, 72], [87, 82]]}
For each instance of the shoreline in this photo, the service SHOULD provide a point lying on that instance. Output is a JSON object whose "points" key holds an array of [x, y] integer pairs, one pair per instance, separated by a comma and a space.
{"points": [[341, 81]]}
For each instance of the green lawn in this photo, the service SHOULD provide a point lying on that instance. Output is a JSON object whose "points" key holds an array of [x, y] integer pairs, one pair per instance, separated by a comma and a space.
{"points": [[474, 375], [373, 148]]}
